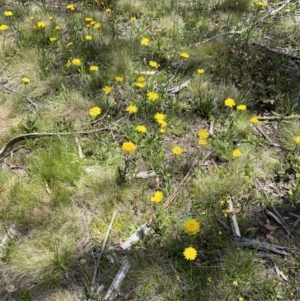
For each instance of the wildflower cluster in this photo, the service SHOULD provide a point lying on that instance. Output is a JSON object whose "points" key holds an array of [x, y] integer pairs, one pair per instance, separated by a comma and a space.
{"points": [[203, 136]]}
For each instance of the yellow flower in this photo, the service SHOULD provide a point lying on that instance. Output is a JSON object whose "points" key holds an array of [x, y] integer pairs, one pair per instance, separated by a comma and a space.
{"points": [[261, 4], [241, 299], [108, 10], [162, 130], [241, 107], [68, 64], [69, 44], [131, 109], [152, 95], [31, 18], [200, 71], [236, 153], [184, 55], [57, 27], [76, 62], [97, 25], [254, 119], [140, 84], [203, 134], [297, 139], [220, 232], [107, 89], [41, 24], [88, 19], [95, 111], [92, 22], [25, 80], [145, 41], [160, 117], [190, 253], [191, 227], [53, 39], [3, 27], [119, 79], [94, 68], [202, 142], [157, 197], [153, 64], [70, 7], [176, 150], [50, 18], [133, 19], [141, 129], [222, 203], [8, 13], [229, 102], [128, 147], [88, 37], [235, 283]]}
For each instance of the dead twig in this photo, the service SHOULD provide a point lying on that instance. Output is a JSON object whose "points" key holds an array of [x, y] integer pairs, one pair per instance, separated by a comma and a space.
{"points": [[266, 136], [102, 248], [22, 137]]}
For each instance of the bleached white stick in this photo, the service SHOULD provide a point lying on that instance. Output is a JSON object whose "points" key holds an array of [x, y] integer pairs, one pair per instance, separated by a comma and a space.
{"points": [[234, 224], [115, 286], [137, 235]]}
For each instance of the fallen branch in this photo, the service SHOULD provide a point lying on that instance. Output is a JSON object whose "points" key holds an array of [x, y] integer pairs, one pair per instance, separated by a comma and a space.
{"points": [[22, 137]]}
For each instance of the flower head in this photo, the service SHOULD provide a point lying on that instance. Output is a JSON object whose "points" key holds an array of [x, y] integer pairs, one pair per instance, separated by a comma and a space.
{"points": [[57, 27], [152, 95], [41, 24], [202, 142], [200, 71], [235, 283], [97, 25], [229, 102], [52, 39], [297, 139], [160, 116], [203, 134], [128, 147], [184, 55], [8, 13], [157, 197], [133, 19], [88, 37], [140, 84], [107, 89], [145, 41], [119, 79], [69, 44], [3, 27], [176, 150], [236, 153], [94, 68], [26, 80], [141, 129], [261, 4], [70, 7], [153, 64], [191, 227], [95, 111], [51, 18], [190, 253], [76, 62], [108, 10], [241, 107], [131, 109], [254, 119]]}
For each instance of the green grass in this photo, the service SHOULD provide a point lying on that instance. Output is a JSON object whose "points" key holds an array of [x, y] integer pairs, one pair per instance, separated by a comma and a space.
{"points": [[59, 193]]}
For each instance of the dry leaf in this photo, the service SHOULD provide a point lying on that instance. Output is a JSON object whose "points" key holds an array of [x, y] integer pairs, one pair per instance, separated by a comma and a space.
{"points": [[10, 288], [270, 227]]}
